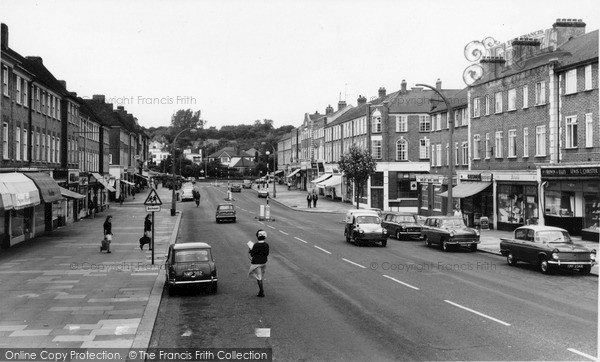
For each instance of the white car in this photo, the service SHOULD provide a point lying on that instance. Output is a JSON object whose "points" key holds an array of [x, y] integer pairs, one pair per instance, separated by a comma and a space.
{"points": [[187, 194]]}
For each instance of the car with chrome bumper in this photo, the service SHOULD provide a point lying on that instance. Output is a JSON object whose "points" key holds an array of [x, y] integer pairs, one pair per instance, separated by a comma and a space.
{"points": [[236, 188], [364, 227], [225, 212], [401, 225], [449, 232], [548, 247], [189, 265]]}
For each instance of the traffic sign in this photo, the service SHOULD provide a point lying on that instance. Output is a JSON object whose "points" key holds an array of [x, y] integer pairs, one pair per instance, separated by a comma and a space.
{"points": [[153, 208], [152, 198]]}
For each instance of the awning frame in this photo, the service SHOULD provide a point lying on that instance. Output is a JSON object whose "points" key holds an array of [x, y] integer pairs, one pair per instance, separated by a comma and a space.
{"points": [[466, 189]]}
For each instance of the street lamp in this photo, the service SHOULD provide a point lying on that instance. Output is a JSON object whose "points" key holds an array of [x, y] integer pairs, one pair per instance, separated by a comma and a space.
{"points": [[274, 166], [173, 201], [450, 117]]}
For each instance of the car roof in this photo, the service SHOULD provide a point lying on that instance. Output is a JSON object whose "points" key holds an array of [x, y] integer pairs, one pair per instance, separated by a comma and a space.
{"points": [[225, 204], [362, 212], [444, 217], [541, 227], [399, 213], [185, 246]]}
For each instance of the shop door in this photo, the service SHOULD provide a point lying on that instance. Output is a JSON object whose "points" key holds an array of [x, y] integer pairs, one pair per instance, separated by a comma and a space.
{"points": [[377, 198]]}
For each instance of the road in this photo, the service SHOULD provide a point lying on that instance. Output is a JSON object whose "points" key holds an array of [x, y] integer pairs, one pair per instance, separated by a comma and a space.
{"points": [[330, 300]]}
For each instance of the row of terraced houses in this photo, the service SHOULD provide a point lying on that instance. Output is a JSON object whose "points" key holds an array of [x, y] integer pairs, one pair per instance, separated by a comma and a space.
{"points": [[61, 155], [526, 139]]}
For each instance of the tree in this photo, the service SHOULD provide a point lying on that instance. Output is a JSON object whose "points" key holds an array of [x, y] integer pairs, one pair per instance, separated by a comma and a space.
{"points": [[357, 165]]}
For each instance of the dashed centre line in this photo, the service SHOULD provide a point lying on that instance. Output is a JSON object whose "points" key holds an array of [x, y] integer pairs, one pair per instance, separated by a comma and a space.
{"points": [[351, 262], [269, 226], [305, 242], [478, 313], [400, 282], [323, 250], [283, 232], [582, 354]]}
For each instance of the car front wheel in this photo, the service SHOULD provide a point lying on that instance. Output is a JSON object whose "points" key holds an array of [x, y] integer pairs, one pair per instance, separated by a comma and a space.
{"points": [[384, 243], [545, 267], [398, 236], [585, 270], [445, 245], [473, 247], [427, 242], [511, 260]]}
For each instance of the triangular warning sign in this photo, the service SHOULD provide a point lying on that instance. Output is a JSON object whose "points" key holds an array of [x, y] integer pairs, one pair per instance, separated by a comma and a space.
{"points": [[153, 198]]}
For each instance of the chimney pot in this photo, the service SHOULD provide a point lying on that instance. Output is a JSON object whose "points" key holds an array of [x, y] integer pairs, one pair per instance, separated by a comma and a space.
{"points": [[63, 83], [382, 92], [341, 104], [98, 97], [4, 32], [36, 59], [361, 100], [403, 85], [329, 109], [438, 84]]}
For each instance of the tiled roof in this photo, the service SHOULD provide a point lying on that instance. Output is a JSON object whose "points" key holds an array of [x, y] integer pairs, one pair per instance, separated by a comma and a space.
{"points": [[581, 48]]}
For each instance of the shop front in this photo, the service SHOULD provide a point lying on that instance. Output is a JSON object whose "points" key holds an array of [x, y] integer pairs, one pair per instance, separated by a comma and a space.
{"points": [[517, 199], [52, 209], [20, 198], [431, 187], [572, 199], [102, 193], [473, 197]]}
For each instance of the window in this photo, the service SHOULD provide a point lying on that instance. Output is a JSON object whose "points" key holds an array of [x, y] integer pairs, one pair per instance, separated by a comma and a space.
{"points": [[37, 99], [48, 149], [376, 122], [487, 146], [437, 199], [401, 150], [43, 110], [43, 148], [571, 132], [18, 143], [540, 141], [424, 144], [57, 150], [5, 80], [589, 130], [540, 93], [25, 93], [401, 124], [525, 96], [25, 146], [487, 105], [18, 89], [447, 154], [512, 99], [463, 116], [424, 124], [512, 143], [498, 102], [476, 146], [498, 145], [476, 109], [465, 153], [588, 77], [525, 142], [439, 154], [571, 81], [376, 149], [456, 154], [5, 140], [37, 146]]}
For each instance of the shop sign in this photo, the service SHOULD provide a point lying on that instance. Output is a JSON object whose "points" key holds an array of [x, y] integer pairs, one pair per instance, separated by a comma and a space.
{"points": [[429, 178], [83, 180], [73, 176], [575, 172]]}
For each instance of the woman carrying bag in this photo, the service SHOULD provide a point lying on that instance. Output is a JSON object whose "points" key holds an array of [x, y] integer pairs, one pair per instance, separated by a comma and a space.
{"points": [[147, 238], [107, 234]]}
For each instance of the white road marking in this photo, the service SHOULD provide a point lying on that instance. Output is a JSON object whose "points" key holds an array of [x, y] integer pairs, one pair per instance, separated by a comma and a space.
{"points": [[187, 333], [478, 313], [322, 249], [262, 332], [283, 232], [582, 354], [351, 262], [400, 282], [305, 242]]}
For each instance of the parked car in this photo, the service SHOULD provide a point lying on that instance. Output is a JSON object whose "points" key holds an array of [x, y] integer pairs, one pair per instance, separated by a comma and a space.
{"points": [[548, 247], [236, 188], [350, 214], [187, 193], [448, 232], [225, 211], [190, 264], [247, 184], [263, 193], [401, 225], [364, 226]]}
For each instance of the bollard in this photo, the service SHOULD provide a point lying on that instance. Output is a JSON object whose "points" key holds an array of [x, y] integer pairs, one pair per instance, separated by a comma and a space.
{"points": [[228, 195], [261, 213], [268, 212]]}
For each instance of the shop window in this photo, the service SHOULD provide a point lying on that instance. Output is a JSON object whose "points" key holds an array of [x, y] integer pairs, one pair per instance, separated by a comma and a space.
{"points": [[437, 199], [377, 179]]}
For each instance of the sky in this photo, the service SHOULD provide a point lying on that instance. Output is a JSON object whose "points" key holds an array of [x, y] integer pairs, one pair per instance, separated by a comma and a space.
{"points": [[247, 60]]}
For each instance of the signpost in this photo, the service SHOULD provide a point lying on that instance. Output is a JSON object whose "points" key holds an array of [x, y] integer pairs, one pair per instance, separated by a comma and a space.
{"points": [[152, 205]]}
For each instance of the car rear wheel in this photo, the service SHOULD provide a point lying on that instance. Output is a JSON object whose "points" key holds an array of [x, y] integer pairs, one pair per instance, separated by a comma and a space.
{"points": [[213, 287], [233, 219], [170, 289], [511, 260], [585, 270], [427, 242], [545, 267], [384, 243]]}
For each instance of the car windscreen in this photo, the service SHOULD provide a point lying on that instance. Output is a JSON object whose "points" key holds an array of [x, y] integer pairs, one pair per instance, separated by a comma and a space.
{"points": [[552, 236], [188, 256], [225, 207], [405, 218], [368, 220], [453, 223]]}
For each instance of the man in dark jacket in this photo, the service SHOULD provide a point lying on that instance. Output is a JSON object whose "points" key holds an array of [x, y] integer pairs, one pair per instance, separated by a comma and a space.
{"points": [[258, 255]]}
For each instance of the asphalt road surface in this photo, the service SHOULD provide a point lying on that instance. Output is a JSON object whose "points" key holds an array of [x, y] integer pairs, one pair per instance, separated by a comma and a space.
{"points": [[329, 300]]}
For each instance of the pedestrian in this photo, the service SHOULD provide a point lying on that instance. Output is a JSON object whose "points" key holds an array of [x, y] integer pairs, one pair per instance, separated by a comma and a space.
{"points": [[91, 208], [147, 232], [308, 199], [133, 190], [258, 254], [289, 185], [196, 195], [108, 232], [315, 197], [121, 198]]}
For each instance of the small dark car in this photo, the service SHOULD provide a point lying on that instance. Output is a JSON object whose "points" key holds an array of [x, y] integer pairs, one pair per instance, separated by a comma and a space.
{"points": [[190, 264], [364, 226], [402, 225], [449, 231], [236, 188], [549, 248], [225, 212]]}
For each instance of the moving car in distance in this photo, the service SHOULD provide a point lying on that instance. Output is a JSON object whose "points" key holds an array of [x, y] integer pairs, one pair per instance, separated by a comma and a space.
{"points": [[364, 226], [190, 264], [225, 212], [548, 247], [236, 188], [247, 184], [448, 232], [401, 225], [263, 193], [187, 193]]}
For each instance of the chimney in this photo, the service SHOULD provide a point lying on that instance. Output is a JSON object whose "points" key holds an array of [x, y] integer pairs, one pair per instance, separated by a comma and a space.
{"points": [[522, 49], [121, 108], [4, 36], [567, 29], [492, 66], [438, 84], [63, 83], [341, 104], [98, 98], [381, 92], [403, 85], [36, 59], [361, 100], [329, 109]]}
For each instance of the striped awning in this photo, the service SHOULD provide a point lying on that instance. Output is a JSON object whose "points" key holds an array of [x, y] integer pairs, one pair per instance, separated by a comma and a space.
{"points": [[322, 178], [23, 192], [49, 189], [103, 182], [71, 194]]}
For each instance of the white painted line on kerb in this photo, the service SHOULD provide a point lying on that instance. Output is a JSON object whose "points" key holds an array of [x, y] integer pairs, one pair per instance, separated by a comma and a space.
{"points": [[351, 262], [400, 282], [323, 250], [478, 313], [283, 232], [582, 354], [262, 332], [305, 242]]}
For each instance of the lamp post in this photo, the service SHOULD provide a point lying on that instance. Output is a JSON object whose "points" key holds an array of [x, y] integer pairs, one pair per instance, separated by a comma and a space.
{"points": [[274, 166], [450, 117], [173, 200]]}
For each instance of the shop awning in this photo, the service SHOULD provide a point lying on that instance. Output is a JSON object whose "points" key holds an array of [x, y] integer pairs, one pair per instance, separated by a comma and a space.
{"points": [[103, 182], [141, 176], [23, 192], [127, 182], [331, 182], [293, 173], [322, 178], [278, 172], [71, 194], [466, 189], [49, 189], [5, 198]]}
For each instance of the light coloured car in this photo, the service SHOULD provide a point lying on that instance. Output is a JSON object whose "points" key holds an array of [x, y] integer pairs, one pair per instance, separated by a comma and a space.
{"points": [[364, 226], [263, 193], [187, 193]]}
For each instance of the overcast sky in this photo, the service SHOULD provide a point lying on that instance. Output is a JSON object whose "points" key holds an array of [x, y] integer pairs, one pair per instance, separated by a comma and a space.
{"points": [[238, 61]]}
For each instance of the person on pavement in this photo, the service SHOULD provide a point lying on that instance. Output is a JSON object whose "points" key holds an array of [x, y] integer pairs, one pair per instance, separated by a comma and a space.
{"points": [[315, 197], [147, 231], [308, 199], [258, 265], [196, 194], [108, 231]]}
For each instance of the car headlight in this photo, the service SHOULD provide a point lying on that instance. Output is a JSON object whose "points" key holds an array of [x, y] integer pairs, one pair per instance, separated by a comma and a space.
{"points": [[555, 254], [476, 232], [402, 227], [593, 255], [385, 231], [452, 233]]}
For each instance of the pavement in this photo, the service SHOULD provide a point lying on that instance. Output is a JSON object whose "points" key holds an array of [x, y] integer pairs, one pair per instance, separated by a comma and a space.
{"points": [[58, 290]]}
